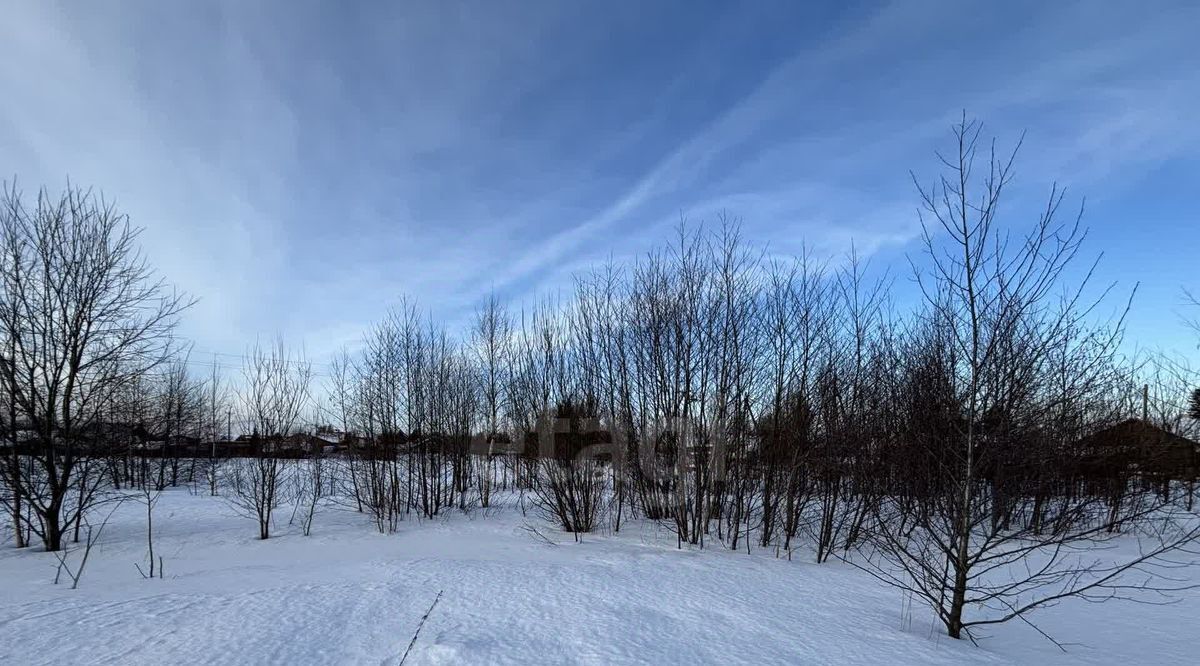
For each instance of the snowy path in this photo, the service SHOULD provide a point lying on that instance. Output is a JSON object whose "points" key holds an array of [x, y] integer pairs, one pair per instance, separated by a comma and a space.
{"points": [[350, 595]]}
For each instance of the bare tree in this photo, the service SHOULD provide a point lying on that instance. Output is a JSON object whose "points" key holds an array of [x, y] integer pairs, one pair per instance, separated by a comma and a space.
{"points": [[960, 531], [1194, 323], [81, 315], [388, 394], [491, 333], [91, 538], [341, 408], [177, 407], [149, 497], [312, 482], [571, 484], [1193, 303], [215, 408], [274, 396], [599, 328]]}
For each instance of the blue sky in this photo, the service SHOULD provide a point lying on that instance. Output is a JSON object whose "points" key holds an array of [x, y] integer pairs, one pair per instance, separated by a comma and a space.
{"points": [[300, 166]]}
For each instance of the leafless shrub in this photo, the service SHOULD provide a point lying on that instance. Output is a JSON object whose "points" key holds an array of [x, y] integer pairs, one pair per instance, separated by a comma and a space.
{"points": [[273, 397]]}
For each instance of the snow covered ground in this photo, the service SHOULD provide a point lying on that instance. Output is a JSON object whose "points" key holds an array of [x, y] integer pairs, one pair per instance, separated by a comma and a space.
{"points": [[348, 594]]}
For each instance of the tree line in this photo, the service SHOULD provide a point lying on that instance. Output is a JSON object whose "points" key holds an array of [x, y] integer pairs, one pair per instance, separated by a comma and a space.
{"points": [[960, 449]]}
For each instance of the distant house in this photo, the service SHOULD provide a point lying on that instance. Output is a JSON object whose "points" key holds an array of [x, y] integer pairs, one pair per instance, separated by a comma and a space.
{"points": [[26, 440], [309, 444], [181, 446], [297, 445], [1137, 446], [568, 438], [240, 447], [330, 438], [384, 445]]}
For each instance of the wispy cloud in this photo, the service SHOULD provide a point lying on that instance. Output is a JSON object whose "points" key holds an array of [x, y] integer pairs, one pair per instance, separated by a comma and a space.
{"points": [[300, 167]]}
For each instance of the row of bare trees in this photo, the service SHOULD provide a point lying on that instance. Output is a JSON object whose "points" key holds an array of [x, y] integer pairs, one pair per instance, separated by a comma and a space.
{"points": [[748, 399], [740, 398], [82, 317], [96, 387]]}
